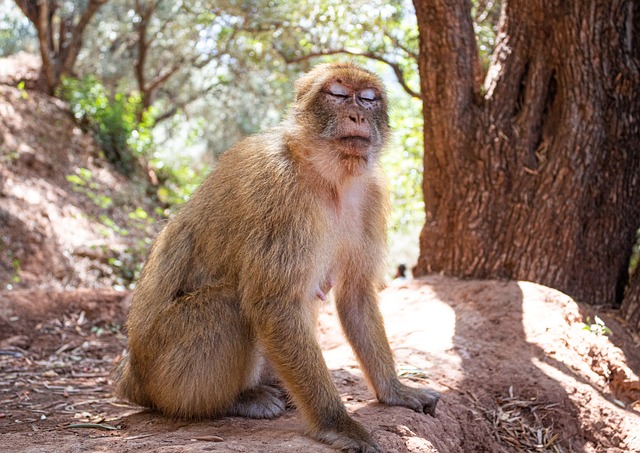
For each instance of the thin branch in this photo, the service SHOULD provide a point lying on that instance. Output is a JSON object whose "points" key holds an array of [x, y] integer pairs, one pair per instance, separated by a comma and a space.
{"points": [[163, 77], [181, 105], [399, 45], [158, 32], [395, 66], [166, 115]]}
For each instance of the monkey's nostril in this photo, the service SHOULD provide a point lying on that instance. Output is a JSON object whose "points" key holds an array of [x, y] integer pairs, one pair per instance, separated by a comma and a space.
{"points": [[358, 119]]}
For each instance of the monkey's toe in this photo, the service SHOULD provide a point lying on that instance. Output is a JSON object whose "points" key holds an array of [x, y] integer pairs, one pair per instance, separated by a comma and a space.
{"points": [[420, 400], [429, 405], [259, 402]]}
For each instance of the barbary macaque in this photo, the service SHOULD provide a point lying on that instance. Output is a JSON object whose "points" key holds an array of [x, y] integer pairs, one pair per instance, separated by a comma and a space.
{"points": [[223, 317]]}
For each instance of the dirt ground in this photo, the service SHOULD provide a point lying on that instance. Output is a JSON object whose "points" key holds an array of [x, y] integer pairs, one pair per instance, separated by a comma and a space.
{"points": [[515, 367]]}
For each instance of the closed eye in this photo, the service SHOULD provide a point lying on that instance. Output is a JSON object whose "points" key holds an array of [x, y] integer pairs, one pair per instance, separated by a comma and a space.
{"points": [[367, 95], [338, 90]]}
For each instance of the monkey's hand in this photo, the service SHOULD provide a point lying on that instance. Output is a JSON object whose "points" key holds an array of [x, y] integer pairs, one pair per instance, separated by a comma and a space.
{"points": [[418, 399], [349, 436]]}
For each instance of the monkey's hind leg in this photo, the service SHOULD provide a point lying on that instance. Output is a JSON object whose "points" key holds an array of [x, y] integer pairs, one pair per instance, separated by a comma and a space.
{"points": [[263, 396], [194, 354], [260, 401], [127, 386], [204, 360]]}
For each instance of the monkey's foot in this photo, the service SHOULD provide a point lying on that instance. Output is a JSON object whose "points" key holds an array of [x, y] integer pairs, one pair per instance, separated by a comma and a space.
{"points": [[349, 437], [262, 401], [418, 399]]}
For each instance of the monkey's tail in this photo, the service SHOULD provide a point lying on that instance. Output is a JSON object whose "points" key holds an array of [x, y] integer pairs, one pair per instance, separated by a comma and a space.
{"points": [[126, 384]]}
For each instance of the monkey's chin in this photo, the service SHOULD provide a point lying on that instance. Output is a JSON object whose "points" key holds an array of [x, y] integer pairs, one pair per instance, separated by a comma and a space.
{"points": [[354, 164], [354, 155]]}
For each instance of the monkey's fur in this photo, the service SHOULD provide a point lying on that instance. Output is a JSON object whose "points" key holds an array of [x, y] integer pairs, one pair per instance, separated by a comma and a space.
{"points": [[226, 304]]}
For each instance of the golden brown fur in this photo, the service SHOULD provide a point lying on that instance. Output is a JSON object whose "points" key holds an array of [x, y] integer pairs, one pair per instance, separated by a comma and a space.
{"points": [[229, 293]]}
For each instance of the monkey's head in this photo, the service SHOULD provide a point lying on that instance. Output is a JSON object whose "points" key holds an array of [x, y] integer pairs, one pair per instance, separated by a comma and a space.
{"points": [[340, 117]]}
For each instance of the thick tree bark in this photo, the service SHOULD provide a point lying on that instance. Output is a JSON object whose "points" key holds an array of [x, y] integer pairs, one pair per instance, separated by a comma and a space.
{"points": [[536, 175]]}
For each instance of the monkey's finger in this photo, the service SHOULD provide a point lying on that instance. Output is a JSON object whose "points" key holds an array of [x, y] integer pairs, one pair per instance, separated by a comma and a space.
{"points": [[430, 408], [415, 404]]}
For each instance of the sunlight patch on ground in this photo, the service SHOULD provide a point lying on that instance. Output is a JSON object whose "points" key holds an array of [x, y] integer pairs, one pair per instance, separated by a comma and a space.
{"points": [[420, 328]]}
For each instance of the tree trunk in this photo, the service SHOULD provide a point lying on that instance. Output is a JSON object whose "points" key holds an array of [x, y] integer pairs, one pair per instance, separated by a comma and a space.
{"points": [[59, 49], [536, 175]]}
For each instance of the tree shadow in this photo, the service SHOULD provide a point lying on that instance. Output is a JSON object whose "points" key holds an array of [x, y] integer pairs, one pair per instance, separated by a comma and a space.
{"points": [[620, 333], [501, 368]]}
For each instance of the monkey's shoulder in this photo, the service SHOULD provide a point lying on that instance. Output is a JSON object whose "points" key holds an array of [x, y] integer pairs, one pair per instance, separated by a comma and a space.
{"points": [[259, 156]]}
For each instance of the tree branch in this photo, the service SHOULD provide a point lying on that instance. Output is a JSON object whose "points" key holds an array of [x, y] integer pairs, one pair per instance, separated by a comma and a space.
{"points": [[31, 9], [394, 66], [397, 44], [71, 51], [42, 27], [163, 77], [446, 29]]}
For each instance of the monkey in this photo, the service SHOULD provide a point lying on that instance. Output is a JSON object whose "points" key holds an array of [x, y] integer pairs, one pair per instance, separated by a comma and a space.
{"points": [[222, 320]]}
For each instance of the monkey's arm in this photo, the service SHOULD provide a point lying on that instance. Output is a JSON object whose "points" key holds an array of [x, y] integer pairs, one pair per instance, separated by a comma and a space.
{"points": [[289, 341], [278, 299], [357, 305]]}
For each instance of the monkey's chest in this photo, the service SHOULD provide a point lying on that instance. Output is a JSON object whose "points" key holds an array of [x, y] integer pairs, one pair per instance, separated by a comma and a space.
{"points": [[346, 231]]}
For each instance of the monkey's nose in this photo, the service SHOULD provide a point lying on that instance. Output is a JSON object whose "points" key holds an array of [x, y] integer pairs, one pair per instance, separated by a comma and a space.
{"points": [[357, 119]]}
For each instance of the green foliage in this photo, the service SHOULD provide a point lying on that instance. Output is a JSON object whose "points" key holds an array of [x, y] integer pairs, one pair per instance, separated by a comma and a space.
{"points": [[82, 182], [23, 92], [486, 14], [15, 263], [127, 264], [597, 326], [109, 327], [635, 255], [124, 133], [403, 165], [180, 179], [121, 128]]}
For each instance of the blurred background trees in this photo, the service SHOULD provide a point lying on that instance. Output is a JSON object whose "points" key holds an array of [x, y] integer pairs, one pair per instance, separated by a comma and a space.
{"points": [[166, 86], [531, 141]]}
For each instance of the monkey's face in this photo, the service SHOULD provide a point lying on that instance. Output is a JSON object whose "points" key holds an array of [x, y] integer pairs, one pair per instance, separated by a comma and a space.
{"points": [[353, 118], [344, 107]]}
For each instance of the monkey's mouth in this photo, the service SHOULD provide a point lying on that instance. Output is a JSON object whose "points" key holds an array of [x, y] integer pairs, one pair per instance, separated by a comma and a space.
{"points": [[355, 145], [357, 140]]}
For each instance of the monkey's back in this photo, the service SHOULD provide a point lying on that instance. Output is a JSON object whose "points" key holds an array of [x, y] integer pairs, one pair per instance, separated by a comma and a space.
{"points": [[250, 225]]}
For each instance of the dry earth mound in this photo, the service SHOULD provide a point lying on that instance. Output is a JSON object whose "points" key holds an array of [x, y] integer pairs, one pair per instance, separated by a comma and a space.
{"points": [[515, 367], [56, 232]]}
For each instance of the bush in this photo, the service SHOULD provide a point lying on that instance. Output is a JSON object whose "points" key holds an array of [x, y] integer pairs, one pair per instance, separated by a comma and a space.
{"points": [[118, 123]]}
